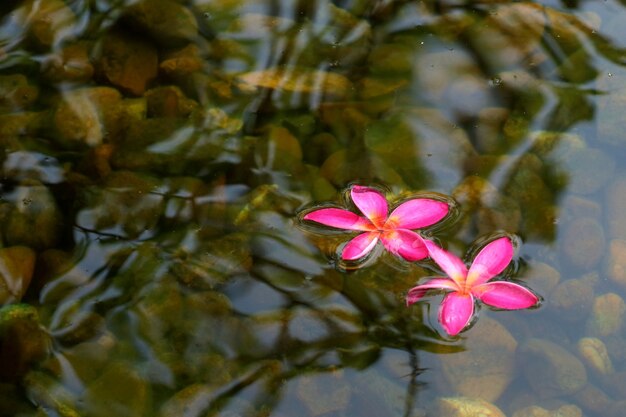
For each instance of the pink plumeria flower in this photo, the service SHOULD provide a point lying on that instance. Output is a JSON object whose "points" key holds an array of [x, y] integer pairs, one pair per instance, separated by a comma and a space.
{"points": [[393, 230], [457, 308]]}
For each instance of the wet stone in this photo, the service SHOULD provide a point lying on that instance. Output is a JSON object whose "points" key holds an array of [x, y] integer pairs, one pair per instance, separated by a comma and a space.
{"points": [[87, 116], [33, 219], [119, 388], [49, 21], [583, 242], [167, 22], [14, 125], [607, 315], [16, 270], [572, 299], [616, 261], [23, 341], [70, 64], [593, 400], [45, 391], [324, 393], [128, 62], [594, 353], [182, 62], [551, 370], [16, 93], [588, 170], [485, 368], [615, 203], [168, 101], [466, 407], [536, 411], [191, 401], [541, 277]]}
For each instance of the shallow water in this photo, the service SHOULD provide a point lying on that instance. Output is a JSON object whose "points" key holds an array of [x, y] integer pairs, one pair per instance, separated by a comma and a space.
{"points": [[156, 156]]}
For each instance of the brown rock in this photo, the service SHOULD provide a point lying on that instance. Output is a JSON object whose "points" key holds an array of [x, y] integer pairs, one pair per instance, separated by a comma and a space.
{"points": [[583, 242], [182, 62], [324, 393], [128, 62], [486, 367], [607, 315], [616, 261], [16, 270], [87, 116], [551, 370], [49, 21], [572, 299], [615, 203], [70, 64], [467, 407]]}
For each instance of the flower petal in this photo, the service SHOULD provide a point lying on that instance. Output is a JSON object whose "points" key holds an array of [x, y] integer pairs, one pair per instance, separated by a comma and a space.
{"points": [[360, 246], [490, 261], [339, 218], [455, 312], [371, 203], [418, 292], [405, 243], [451, 264], [417, 213], [504, 294]]}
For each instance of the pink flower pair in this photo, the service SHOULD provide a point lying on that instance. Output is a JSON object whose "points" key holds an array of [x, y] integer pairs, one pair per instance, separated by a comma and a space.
{"points": [[395, 232]]}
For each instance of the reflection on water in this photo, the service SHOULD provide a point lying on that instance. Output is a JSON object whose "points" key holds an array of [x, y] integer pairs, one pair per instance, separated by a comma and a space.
{"points": [[155, 154]]}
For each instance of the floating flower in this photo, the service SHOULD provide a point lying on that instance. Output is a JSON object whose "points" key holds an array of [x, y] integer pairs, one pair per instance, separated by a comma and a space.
{"points": [[393, 230], [465, 285]]}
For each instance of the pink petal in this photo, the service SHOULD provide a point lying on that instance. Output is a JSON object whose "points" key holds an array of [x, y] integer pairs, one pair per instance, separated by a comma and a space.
{"points": [[451, 264], [417, 213], [371, 203], [504, 294], [490, 261], [405, 243], [418, 292], [455, 312], [339, 218], [360, 246]]}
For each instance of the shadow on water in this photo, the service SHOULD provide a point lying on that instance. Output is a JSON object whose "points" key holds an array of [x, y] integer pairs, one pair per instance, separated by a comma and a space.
{"points": [[155, 154]]}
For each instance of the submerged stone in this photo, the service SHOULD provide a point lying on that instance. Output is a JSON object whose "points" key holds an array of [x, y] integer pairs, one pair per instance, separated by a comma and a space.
{"points": [[607, 315], [183, 62], [324, 393], [485, 368], [594, 353], [466, 407], [87, 116], [70, 64], [615, 203], [191, 401], [14, 125], [49, 22], [16, 270], [168, 101], [16, 93], [167, 22], [46, 391], [583, 242], [616, 261], [120, 391], [299, 79], [573, 299], [569, 410], [33, 219], [23, 341], [550, 369], [128, 61]]}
